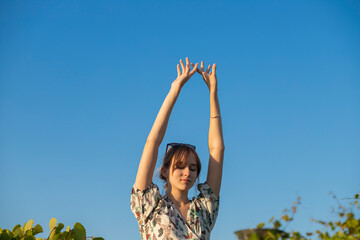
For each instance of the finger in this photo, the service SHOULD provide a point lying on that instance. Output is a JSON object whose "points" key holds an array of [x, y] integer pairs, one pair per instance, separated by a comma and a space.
{"points": [[194, 69], [214, 68], [182, 65], [197, 69], [208, 69], [202, 65], [178, 70], [187, 64]]}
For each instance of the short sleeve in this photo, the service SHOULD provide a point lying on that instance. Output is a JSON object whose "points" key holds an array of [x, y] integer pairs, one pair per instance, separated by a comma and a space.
{"points": [[209, 204], [143, 202]]}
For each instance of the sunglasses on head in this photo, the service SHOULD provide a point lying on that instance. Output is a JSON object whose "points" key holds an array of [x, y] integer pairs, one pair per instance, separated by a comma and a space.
{"points": [[179, 144]]}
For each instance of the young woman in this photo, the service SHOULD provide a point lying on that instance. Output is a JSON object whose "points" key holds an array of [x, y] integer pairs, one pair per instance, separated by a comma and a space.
{"points": [[174, 216]]}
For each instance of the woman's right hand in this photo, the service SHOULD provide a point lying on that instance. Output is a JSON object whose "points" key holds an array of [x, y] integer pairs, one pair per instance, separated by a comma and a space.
{"points": [[185, 75]]}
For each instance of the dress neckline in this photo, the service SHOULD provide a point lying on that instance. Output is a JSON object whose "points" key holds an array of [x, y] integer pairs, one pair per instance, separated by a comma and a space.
{"points": [[187, 212]]}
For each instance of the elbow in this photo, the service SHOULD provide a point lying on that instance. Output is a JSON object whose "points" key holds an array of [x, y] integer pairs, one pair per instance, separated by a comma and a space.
{"points": [[220, 148], [154, 141]]}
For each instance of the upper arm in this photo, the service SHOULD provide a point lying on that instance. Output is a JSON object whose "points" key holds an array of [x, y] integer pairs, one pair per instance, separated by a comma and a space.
{"points": [[147, 164], [215, 170]]}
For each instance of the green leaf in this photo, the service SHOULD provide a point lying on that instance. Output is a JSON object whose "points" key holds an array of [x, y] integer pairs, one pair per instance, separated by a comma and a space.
{"points": [[352, 223], [277, 224], [254, 236], [29, 225], [357, 196], [37, 229], [271, 235], [18, 230], [6, 234], [59, 227], [285, 217], [54, 232], [79, 231], [260, 225], [80, 226], [29, 232], [271, 219], [52, 223], [30, 238], [69, 235]]}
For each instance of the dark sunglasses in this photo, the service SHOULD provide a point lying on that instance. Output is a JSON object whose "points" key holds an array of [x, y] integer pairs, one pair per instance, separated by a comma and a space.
{"points": [[179, 144]]}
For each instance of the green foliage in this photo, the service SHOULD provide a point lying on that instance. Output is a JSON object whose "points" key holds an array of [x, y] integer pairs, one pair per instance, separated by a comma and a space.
{"points": [[346, 227], [28, 232]]}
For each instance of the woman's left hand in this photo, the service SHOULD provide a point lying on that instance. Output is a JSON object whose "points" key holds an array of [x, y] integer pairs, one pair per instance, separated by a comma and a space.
{"points": [[208, 77]]}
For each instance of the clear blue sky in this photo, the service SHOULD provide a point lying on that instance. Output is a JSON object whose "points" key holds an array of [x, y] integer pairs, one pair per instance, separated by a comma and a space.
{"points": [[81, 83]]}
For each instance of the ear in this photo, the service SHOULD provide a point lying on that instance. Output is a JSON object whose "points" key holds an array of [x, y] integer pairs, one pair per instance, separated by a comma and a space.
{"points": [[165, 172]]}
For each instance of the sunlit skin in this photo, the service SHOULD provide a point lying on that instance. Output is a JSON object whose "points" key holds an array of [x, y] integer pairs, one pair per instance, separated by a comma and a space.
{"points": [[177, 189], [208, 77]]}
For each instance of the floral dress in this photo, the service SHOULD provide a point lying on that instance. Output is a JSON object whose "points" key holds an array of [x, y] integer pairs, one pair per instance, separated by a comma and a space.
{"points": [[159, 219]]}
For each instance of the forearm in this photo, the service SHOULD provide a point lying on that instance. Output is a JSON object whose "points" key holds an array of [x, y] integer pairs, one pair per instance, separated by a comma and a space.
{"points": [[158, 129], [216, 140]]}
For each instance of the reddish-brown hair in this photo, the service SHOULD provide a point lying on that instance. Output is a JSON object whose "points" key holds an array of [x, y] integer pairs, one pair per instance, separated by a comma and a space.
{"points": [[179, 155]]}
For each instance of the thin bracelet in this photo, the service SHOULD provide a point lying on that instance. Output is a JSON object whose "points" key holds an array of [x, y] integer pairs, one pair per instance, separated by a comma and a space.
{"points": [[215, 116]]}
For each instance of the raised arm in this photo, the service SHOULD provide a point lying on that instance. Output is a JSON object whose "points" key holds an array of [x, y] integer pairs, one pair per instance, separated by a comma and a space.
{"points": [[216, 140], [156, 135]]}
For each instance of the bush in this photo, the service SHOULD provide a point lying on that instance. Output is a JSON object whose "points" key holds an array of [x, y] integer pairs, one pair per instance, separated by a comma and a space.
{"points": [[28, 232], [345, 227]]}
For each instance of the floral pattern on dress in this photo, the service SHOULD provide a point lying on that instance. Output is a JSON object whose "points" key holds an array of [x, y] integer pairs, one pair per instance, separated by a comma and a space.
{"points": [[159, 219]]}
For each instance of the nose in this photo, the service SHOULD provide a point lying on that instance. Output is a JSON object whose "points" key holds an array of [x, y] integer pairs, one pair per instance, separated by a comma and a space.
{"points": [[187, 171]]}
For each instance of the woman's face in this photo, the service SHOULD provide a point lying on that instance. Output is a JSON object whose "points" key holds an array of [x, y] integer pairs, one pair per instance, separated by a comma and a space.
{"points": [[183, 178]]}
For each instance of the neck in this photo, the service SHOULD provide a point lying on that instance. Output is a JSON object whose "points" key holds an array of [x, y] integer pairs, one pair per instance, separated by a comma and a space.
{"points": [[178, 197]]}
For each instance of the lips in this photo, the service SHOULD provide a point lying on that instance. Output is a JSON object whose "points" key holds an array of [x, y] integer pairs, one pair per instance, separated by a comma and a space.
{"points": [[185, 180]]}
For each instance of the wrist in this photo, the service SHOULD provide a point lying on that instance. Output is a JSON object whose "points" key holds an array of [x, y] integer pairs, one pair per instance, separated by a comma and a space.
{"points": [[175, 89], [213, 90]]}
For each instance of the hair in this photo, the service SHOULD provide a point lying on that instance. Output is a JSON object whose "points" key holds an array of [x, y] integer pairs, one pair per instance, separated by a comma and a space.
{"points": [[179, 156]]}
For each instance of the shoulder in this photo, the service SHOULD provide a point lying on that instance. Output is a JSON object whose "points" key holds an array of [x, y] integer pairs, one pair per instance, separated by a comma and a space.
{"points": [[206, 191], [151, 187], [150, 195]]}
